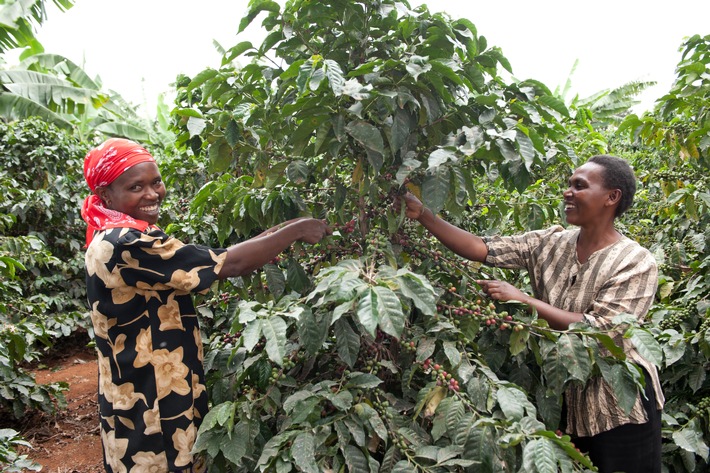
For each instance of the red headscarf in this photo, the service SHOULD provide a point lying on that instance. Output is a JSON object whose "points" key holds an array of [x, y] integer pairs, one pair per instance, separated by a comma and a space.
{"points": [[102, 165]]}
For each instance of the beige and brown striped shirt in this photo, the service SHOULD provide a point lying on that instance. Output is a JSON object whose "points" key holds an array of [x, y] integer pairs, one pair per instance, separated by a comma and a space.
{"points": [[621, 278]]}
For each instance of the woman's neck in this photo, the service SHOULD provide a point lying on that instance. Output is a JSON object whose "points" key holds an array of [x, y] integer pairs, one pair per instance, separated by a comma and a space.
{"points": [[591, 240]]}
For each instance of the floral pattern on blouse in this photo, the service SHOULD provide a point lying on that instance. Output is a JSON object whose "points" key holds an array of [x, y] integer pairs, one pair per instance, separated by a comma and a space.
{"points": [[152, 394]]}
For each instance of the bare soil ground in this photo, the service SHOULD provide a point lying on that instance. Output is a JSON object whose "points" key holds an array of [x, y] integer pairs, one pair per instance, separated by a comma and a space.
{"points": [[68, 442]]}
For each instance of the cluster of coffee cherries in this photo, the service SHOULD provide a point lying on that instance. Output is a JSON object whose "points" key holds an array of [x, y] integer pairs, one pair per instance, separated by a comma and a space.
{"points": [[278, 374], [504, 321], [220, 300], [705, 326], [440, 375], [704, 405], [408, 345], [676, 318], [400, 442], [377, 243], [347, 227], [381, 404], [372, 366], [183, 204], [231, 338], [478, 309]]}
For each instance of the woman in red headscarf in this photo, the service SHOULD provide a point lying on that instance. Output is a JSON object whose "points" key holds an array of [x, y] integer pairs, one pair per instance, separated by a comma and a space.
{"points": [[139, 280]]}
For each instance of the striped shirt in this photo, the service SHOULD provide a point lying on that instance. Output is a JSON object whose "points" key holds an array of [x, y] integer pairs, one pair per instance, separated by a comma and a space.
{"points": [[621, 278]]}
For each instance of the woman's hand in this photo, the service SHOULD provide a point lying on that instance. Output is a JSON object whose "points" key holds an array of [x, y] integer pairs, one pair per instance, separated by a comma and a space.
{"points": [[502, 291], [312, 230], [413, 206]]}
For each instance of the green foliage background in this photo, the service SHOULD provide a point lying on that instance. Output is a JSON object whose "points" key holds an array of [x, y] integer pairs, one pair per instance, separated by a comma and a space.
{"points": [[374, 350]]}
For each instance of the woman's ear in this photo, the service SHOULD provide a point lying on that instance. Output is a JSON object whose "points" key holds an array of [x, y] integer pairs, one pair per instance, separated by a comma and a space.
{"points": [[614, 196], [103, 194]]}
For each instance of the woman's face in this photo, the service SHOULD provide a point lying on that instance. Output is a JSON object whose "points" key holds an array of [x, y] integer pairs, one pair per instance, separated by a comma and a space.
{"points": [[586, 199], [137, 192]]}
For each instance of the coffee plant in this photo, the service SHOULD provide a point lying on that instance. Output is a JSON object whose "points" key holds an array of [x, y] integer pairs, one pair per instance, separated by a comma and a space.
{"points": [[670, 145], [375, 350], [41, 266]]}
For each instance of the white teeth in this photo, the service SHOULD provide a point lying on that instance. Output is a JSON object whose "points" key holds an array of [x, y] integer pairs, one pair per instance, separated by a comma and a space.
{"points": [[152, 208]]}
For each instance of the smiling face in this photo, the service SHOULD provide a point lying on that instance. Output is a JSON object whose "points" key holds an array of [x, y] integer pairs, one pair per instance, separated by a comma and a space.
{"points": [[137, 192], [587, 200]]}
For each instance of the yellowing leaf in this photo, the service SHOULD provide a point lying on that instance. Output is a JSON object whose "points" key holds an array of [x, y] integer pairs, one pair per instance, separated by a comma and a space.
{"points": [[414, 189], [435, 397]]}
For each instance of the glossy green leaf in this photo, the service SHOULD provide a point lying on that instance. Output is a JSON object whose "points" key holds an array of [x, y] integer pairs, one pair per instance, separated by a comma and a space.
{"points": [[355, 459], [335, 76], [364, 381], [311, 333], [402, 125], [690, 438], [555, 371], [274, 330], [435, 189], [370, 139], [697, 377], [298, 172], [390, 315], [609, 344], [419, 290], [405, 170], [646, 345], [512, 402], [624, 385], [235, 448], [251, 334], [481, 447], [256, 7], [347, 342], [452, 353], [220, 155], [303, 452], [296, 276], [236, 51], [368, 311], [440, 157], [574, 356], [202, 77], [545, 458], [555, 104]]}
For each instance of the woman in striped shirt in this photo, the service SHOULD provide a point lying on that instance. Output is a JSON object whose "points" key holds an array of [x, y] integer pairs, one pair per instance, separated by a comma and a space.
{"points": [[586, 274]]}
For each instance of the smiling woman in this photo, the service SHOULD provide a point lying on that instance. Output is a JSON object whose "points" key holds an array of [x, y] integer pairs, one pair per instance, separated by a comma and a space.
{"points": [[585, 275], [152, 395], [138, 191]]}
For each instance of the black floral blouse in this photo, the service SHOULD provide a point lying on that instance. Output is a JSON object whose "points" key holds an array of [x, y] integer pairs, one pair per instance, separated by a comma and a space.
{"points": [[151, 381]]}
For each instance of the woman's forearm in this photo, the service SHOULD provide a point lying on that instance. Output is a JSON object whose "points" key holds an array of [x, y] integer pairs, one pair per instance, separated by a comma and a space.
{"points": [[558, 319], [245, 257], [460, 241]]}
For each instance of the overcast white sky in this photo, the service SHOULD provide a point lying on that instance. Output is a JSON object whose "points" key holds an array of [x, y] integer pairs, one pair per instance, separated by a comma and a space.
{"points": [[138, 47]]}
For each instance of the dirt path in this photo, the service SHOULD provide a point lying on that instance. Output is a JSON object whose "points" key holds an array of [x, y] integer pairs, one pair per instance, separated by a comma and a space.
{"points": [[69, 442]]}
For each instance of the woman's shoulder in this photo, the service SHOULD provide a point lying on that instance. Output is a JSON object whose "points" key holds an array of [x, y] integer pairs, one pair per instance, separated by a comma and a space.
{"points": [[629, 246], [122, 236], [555, 233]]}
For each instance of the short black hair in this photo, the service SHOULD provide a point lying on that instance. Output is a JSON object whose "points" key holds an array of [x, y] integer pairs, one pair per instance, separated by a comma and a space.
{"points": [[617, 174]]}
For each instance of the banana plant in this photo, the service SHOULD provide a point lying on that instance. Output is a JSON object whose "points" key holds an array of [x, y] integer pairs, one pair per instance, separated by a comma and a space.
{"points": [[54, 88], [18, 20]]}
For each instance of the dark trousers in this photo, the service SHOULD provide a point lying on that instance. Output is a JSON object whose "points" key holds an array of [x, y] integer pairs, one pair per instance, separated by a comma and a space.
{"points": [[630, 448]]}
